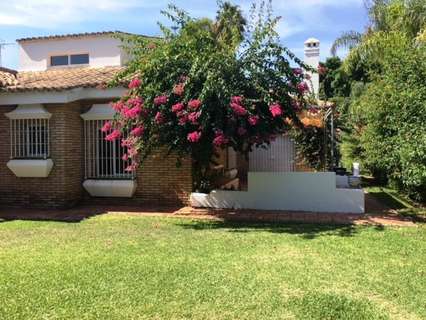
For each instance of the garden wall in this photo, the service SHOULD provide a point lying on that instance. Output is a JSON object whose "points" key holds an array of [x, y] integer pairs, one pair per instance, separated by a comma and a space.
{"points": [[290, 191]]}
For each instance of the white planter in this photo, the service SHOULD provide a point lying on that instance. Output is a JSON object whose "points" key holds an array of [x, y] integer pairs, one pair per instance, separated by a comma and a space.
{"points": [[110, 188], [24, 168]]}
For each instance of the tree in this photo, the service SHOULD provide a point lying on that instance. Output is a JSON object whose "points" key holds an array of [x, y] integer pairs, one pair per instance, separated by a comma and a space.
{"points": [[191, 94], [383, 117]]}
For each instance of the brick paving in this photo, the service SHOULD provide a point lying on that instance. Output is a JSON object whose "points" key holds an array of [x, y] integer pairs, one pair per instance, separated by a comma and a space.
{"points": [[84, 212]]}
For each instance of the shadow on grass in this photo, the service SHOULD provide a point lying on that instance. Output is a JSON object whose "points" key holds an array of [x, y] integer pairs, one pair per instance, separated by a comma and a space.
{"points": [[67, 216], [76, 214], [388, 200], [306, 231]]}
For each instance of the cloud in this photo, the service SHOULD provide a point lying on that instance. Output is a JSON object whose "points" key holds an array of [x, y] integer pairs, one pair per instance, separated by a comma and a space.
{"points": [[50, 13], [298, 16]]}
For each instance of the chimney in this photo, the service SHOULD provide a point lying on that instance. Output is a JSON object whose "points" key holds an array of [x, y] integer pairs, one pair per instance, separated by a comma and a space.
{"points": [[312, 59]]}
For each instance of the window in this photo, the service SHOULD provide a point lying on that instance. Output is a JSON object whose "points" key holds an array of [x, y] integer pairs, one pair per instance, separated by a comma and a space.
{"points": [[104, 159], [58, 61], [79, 59], [29, 132], [73, 59]]}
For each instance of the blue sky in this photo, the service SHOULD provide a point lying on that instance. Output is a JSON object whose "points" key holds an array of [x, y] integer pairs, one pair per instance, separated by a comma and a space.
{"points": [[301, 19]]}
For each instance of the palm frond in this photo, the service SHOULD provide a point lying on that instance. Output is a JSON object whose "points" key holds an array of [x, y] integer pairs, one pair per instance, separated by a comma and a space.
{"points": [[347, 40]]}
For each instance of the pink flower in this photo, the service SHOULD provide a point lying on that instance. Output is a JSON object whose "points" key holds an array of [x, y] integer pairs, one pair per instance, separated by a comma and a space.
{"points": [[302, 87], [117, 106], [116, 134], [193, 117], [237, 100], [241, 131], [275, 110], [135, 102], [159, 118], [107, 127], [179, 89], [194, 104], [194, 136], [158, 101], [178, 107], [128, 143], [138, 131], [131, 113], [220, 139], [132, 152], [253, 120], [296, 105], [238, 109], [183, 118], [297, 71], [132, 167], [134, 83], [125, 157]]}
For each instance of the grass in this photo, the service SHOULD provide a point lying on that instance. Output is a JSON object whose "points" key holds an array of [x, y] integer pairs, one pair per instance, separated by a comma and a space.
{"points": [[131, 267], [397, 202]]}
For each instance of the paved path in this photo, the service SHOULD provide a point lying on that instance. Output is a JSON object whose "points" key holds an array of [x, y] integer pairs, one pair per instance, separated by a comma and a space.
{"points": [[84, 212]]}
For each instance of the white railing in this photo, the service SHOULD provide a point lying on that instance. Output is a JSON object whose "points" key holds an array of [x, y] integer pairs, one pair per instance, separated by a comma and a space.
{"points": [[103, 159], [29, 138]]}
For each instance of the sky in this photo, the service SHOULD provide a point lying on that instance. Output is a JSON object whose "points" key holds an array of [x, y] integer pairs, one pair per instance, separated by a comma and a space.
{"points": [[301, 19]]}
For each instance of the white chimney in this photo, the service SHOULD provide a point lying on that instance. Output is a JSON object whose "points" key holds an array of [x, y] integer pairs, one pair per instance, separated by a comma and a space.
{"points": [[312, 59]]}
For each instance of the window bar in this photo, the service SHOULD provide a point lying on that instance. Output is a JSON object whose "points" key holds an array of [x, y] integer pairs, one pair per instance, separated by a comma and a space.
{"points": [[14, 137], [28, 135], [97, 148], [46, 134], [93, 164], [101, 142], [18, 137], [38, 140], [89, 156], [11, 138], [86, 149], [111, 156]]}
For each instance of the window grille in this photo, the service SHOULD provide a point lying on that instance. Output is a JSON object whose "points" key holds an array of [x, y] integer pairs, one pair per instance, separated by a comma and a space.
{"points": [[29, 138], [103, 159]]}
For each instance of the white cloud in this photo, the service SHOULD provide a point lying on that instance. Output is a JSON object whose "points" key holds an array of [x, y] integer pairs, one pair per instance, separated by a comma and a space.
{"points": [[49, 13]]}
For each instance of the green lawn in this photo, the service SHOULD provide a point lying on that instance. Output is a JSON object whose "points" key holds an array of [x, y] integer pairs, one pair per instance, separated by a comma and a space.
{"points": [[130, 267]]}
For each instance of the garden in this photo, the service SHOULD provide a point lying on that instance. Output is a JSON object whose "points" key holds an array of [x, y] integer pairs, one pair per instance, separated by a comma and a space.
{"points": [[124, 266]]}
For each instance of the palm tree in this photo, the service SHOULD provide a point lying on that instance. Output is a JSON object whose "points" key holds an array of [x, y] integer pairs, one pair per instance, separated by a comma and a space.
{"points": [[230, 24], [411, 19]]}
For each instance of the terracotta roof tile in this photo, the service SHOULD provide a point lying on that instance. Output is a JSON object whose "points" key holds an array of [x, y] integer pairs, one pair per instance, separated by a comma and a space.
{"points": [[58, 79], [7, 77]]}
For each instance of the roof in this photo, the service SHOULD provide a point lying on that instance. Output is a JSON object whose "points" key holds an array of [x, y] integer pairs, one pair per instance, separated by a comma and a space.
{"points": [[74, 35], [7, 77], [57, 79]]}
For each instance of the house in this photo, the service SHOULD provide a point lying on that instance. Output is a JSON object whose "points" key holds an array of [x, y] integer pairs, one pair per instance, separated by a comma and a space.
{"points": [[54, 153], [51, 110]]}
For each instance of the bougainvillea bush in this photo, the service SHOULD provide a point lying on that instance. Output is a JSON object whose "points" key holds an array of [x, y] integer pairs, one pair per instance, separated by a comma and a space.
{"points": [[206, 85]]}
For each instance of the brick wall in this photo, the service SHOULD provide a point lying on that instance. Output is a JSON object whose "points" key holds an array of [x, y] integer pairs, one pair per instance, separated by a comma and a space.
{"points": [[159, 180], [63, 186]]}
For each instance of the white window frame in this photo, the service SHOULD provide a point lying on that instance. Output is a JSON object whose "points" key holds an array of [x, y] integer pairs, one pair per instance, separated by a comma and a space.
{"points": [[68, 65]]}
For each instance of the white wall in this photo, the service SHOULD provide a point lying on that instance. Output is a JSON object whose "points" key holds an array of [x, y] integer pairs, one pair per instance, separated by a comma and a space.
{"points": [[103, 51], [290, 191]]}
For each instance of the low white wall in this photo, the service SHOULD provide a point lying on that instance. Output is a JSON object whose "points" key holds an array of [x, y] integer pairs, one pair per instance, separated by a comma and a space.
{"points": [[291, 191]]}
